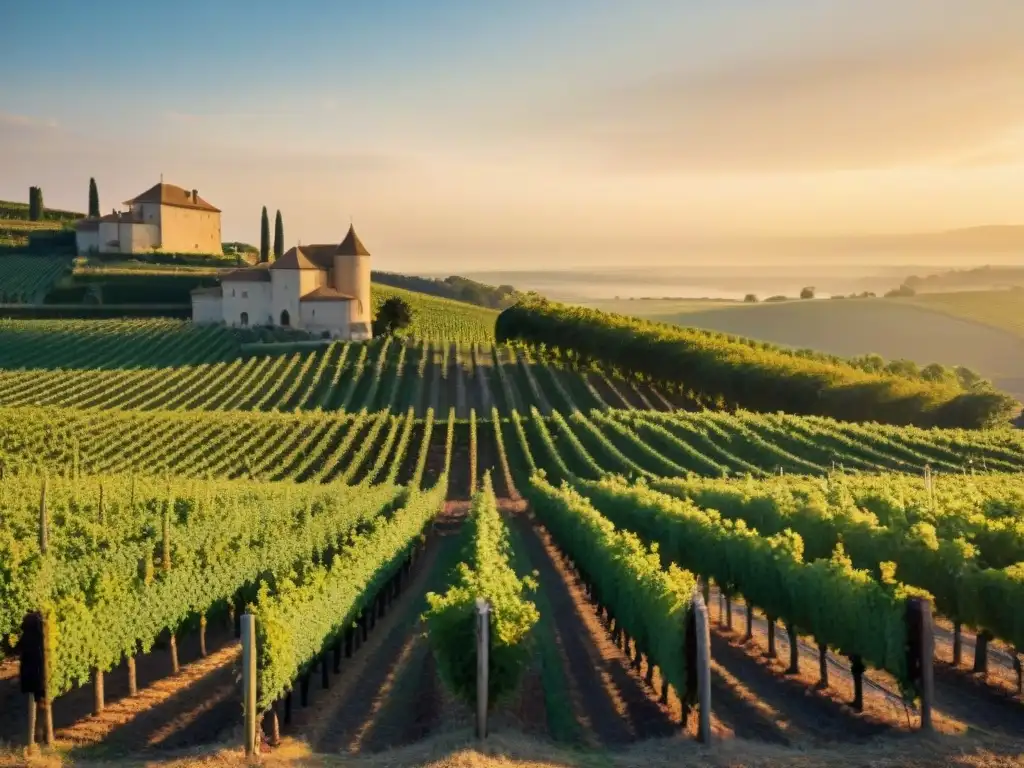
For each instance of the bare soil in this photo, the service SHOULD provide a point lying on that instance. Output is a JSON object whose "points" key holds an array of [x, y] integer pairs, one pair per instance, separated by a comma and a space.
{"points": [[606, 392], [487, 459], [387, 694], [610, 701], [169, 712]]}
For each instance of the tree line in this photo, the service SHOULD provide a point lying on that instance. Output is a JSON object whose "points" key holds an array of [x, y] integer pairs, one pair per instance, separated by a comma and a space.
{"points": [[743, 373], [452, 287], [265, 237]]}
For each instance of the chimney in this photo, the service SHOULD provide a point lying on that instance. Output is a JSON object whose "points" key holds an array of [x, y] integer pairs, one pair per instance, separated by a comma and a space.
{"points": [[195, 195]]}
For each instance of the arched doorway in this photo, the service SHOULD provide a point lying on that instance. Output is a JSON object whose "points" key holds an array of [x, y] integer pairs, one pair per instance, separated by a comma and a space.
{"points": [[285, 318], [245, 318]]}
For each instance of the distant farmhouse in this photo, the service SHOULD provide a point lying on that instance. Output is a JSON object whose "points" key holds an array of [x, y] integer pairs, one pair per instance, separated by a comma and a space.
{"points": [[164, 218], [321, 288]]}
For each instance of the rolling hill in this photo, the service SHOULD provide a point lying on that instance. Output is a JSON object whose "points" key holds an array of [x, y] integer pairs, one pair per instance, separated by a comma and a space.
{"points": [[939, 328]]}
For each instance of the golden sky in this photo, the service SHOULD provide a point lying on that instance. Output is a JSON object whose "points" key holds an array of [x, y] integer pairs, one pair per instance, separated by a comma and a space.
{"points": [[467, 136]]}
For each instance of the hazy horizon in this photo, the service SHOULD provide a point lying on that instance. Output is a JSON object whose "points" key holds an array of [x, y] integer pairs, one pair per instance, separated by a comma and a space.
{"points": [[464, 137]]}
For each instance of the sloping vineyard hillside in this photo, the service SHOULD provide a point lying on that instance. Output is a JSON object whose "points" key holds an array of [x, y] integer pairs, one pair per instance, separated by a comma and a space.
{"points": [[27, 279], [741, 372], [364, 502]]}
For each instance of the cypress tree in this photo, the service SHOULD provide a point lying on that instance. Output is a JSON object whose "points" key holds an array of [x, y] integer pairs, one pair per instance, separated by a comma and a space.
{"points": [[94, 199], [264, 236], [278, 237], [34, 212]]}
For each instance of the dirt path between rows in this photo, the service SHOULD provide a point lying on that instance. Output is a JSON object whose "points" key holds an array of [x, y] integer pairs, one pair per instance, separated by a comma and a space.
{"points": [[388, 693], [611, 703]]}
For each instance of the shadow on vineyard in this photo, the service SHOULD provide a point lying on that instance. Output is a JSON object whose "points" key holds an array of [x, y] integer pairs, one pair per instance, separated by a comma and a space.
{"points": [[353, 501]]}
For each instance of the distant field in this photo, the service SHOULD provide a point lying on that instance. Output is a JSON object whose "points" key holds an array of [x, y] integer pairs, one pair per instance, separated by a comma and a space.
{"points": [[999, 309], [939, 328]]}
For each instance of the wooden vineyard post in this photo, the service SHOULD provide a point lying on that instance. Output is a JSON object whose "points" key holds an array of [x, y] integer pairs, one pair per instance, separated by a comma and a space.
{"points": [[31, 741], [98, 693], [483, 645], [165, 564], [702, 657], [249, 681], [920, 654], [133, 686]]}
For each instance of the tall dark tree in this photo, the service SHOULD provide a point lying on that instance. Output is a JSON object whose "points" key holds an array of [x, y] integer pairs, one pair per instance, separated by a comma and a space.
{"points": [[278, 237], [393, 315], [35, 203], [94, 199], [264, 236]]}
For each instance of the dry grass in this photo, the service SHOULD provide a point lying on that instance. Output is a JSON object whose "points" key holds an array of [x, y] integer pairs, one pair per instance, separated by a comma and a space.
{"points": [[505, 750]]}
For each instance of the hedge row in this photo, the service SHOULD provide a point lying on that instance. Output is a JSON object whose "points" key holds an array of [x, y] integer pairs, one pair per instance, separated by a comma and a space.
{"points": [[736, 372]]}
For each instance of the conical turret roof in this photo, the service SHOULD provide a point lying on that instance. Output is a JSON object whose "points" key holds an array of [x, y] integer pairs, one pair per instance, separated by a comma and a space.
{"points": [[351, 245]]}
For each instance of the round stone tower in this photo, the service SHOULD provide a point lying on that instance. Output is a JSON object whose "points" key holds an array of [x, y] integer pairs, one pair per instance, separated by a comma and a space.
{"points": [[352, 277]]}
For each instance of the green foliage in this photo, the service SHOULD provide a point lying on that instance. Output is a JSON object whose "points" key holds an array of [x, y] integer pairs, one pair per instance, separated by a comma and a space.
{"points": [[96, 579], [453, 287], [485, 572], [437, 318], [394, 315], [35, 203], [278, 236], [300, 614], [94, 199], [749, 374], [841, 607], [264, 236], [26, 279], [650, 602], [960, 542]]}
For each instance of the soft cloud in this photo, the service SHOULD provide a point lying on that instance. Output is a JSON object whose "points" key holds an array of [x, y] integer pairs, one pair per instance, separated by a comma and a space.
{"points": [[857, 102], [26, 121]]}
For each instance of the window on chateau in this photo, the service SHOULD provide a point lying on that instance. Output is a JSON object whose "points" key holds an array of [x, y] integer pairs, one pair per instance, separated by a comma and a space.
{"points": [[245, 294], [232, 293], [245, 318]]}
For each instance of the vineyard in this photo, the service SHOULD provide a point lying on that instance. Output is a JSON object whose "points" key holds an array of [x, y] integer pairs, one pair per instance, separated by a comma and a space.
{"points": [[165, 488]]}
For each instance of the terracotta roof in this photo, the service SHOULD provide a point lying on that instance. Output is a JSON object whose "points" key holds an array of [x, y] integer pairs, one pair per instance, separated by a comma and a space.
{"points": [[257, 274], [85, 225], [351, 245], [306, 257], [168, 194], [211, 291], [326, 293]]}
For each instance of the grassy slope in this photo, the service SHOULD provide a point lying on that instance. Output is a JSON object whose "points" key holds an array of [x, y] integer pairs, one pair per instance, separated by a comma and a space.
{"points": [[15, 225], [999, 309], [911, 329], [438, 318]]}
